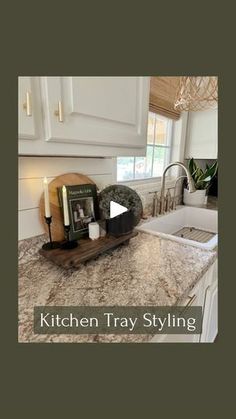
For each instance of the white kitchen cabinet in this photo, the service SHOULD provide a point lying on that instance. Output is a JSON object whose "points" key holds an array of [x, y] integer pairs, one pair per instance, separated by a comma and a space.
{"points": [[202, 135], [210, 315], [195, 298], [210, 326], [92, 116], [26, 108], [204, 294]]}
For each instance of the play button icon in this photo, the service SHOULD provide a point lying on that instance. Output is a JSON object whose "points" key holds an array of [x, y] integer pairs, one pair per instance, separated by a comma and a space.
{"points": [[116, 209]]}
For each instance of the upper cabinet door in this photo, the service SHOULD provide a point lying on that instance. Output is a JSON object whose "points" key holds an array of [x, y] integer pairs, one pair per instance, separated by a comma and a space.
{"points": [[202, 135], [26, 108], [103, 111]]}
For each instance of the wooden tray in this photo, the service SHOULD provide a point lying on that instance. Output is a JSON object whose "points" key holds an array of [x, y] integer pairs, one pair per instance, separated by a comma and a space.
{"points": [[87, 249], [57, 220]]}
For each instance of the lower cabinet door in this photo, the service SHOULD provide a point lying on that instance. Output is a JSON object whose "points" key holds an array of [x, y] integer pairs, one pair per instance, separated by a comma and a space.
{"points": [[204, 294], [195, 298], [210, 319]]}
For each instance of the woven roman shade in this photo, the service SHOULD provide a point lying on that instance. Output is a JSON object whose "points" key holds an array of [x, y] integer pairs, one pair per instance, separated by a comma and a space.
{"points": [[163, 96]]}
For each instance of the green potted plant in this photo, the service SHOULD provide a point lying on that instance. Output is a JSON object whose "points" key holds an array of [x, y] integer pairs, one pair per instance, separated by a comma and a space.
{"points": [[202, 180]]}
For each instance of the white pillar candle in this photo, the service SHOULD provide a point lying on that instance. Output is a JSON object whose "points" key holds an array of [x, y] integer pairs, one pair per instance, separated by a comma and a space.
{"points": [[94, 231], [65, 206], [46, 198]]}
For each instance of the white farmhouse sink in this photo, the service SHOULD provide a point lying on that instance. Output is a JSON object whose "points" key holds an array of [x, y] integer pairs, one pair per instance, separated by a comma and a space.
{"points": [[188, 225]]}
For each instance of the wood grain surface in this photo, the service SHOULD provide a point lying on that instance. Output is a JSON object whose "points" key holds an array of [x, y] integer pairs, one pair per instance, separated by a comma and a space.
{"points": [[87, 249], [57, 219]]}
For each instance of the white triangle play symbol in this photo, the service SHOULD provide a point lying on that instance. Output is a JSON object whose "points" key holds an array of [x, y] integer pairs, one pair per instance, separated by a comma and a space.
{"points": [[116, 209]]}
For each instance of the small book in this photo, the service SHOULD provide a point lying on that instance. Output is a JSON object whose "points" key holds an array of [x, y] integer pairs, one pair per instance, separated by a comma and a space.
{"points": [[83, 208]]}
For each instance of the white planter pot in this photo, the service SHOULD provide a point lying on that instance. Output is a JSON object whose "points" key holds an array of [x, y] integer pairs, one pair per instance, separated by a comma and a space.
{"points": [[195, 199]]}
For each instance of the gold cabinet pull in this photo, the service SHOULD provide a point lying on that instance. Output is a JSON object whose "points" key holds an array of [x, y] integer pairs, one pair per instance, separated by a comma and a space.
{"points": [[59, 111], [27, 104]]}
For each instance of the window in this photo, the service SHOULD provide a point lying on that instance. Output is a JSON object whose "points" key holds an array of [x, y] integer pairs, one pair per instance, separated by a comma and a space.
{"points": [[157, 155]]}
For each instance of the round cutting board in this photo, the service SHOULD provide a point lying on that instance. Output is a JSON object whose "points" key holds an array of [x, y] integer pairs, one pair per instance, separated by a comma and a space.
{"points": [[57, 227]]}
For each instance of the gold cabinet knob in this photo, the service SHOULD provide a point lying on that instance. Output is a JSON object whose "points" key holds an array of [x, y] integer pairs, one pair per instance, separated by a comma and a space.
{"points": [[59, 112], [27, 105]]}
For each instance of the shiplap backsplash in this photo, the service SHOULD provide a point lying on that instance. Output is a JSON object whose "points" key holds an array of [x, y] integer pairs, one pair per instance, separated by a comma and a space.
{"points": [[31, 173], [33, 169]]}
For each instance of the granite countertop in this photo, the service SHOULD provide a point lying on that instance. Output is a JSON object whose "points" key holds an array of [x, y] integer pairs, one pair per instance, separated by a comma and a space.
{"points": [[148, 271]]}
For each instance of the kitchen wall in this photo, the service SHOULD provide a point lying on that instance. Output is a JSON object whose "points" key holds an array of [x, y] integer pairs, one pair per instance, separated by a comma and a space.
{"points": [[33, 169], [202, 134]]}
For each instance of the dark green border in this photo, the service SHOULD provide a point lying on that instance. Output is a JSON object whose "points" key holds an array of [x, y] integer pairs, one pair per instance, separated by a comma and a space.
{"points": [[116, 38]]}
